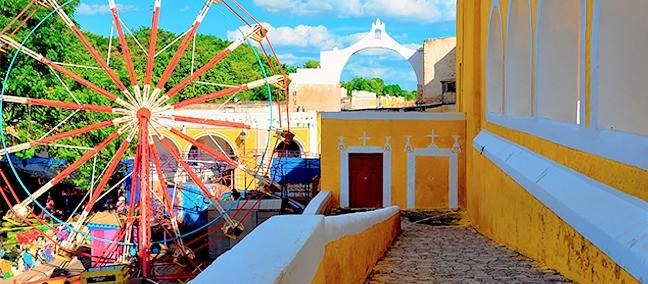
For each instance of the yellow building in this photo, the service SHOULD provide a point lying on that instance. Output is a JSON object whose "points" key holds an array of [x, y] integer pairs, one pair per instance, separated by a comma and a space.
{"points": [[378, 159], [551, 154], [253, 147]]}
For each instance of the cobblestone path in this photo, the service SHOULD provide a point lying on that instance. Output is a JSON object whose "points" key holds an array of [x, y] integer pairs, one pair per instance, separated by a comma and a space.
{"points": [[452, 254]]}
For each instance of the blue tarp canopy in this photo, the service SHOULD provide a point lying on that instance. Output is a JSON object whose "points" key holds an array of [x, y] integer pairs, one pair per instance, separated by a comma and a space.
{"points": [[294, 170], [191, 202], [36, 166]]}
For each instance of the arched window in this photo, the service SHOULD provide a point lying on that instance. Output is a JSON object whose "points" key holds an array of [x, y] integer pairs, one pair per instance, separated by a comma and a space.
{"points": [[623, 65], [558, 60], [494, 67], [289, 149], [517, 74]]}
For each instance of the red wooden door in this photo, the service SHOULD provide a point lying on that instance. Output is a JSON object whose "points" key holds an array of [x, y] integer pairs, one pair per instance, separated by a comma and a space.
{"points": [[365, 180]]}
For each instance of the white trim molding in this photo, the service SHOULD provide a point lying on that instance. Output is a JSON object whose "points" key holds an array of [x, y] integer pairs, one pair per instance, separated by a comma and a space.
{"points": [[344, 169], [615, 222], [433, 151], [628, 148], [378, 115]]}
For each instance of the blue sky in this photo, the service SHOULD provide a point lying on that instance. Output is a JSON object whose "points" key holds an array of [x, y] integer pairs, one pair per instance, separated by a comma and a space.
{"points": [[301, 28]]}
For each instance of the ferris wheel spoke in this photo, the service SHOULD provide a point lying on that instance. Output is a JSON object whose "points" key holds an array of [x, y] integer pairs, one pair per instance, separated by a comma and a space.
{"points": [[221, 156], [231, 224], [22, 208], [256, 33], [124, 44], [95, 54], [185, 166], [205, 121], [183, 47], [219, 94], [22, 12], [152, 42], [40, 58], [62, 104], [63, 135], [114, 162], [216, 154], [158, 168]]}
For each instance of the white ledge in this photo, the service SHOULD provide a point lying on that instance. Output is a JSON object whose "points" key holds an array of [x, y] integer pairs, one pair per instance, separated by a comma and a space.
{"points": [[388, 115]]}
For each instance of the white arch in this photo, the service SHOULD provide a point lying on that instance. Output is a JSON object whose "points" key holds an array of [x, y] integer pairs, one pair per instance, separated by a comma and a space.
{"points": [[494, 62], [557, 45], [217, 135], [332, 62], [517, 74]]}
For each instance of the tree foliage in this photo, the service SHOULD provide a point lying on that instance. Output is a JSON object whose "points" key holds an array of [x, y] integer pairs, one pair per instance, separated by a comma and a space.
{"points": [[54, 40], [312, 64], [377, 85]]}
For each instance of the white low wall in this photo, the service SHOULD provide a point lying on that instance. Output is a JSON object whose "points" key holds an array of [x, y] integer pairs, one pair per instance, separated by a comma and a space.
{"points": [[288, 248], [319, 204], [284, 249]]}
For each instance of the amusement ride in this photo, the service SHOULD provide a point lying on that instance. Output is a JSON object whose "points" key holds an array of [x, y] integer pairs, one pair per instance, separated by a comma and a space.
{"points": [[141, 116]]}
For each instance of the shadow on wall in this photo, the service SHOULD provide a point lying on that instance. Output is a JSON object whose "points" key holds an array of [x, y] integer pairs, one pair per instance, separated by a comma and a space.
{"points": [[441, 89]]}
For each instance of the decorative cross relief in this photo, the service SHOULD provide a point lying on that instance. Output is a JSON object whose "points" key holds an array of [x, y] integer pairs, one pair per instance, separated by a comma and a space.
{"points": [[387, 144], [364, 139], [456, 148], [341, 144], [432, 136], [408, 146]]}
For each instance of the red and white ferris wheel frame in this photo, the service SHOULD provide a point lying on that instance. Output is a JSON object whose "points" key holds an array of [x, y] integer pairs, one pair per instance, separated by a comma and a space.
{"points": [[143, 113]]}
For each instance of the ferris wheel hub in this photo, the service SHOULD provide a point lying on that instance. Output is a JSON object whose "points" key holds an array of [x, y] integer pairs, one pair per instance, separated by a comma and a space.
{"points": [[144, 113]]}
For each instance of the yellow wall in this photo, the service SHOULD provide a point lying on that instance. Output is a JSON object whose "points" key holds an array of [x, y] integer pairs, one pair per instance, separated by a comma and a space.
{"points": [[498, 206], [353, 129], [505, 212], [432, 177], [350, 259]]}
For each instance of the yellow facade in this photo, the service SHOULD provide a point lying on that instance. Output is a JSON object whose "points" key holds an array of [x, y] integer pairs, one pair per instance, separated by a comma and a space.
{"points": [[248, 151], [500, 207], [430, 183], [553, 144]]}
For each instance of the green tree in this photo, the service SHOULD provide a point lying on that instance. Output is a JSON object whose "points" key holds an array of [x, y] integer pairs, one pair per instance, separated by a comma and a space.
{"points": [[393, 90], [312, 64], [29, 78], [377, 86]]}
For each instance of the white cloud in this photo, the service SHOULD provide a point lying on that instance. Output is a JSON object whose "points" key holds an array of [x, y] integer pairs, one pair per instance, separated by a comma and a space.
{"points": [[97, 9], [302, 36], [426, 11]]}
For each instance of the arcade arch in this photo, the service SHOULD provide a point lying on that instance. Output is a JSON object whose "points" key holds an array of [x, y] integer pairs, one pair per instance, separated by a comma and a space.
{"points": [[517, 74], [494, 63], [290, 149], [209, 168], [622, 100], [558, 60]]}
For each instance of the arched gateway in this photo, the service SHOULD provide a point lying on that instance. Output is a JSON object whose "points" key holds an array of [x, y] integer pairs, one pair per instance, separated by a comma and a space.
{"points": [[332, 62]]}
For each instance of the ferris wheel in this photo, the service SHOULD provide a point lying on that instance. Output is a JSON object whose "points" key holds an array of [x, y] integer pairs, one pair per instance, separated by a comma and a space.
{"points": [[123, 105]]}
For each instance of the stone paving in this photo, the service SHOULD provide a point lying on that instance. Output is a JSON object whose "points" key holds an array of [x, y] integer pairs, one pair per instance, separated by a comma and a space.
{"points": [[454, 254]]}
